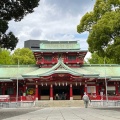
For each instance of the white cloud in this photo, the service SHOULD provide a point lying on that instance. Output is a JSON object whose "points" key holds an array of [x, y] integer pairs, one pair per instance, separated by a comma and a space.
{"points": [[88, 55], [53, 20]]}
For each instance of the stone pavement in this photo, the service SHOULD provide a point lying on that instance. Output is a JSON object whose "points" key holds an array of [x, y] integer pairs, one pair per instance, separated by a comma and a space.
{"points": [[70, 113]]}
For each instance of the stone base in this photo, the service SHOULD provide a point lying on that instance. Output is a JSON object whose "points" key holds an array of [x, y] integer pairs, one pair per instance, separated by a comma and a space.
{"points": [[36, 99], [51, 98], [71, 98], [59, 103]]}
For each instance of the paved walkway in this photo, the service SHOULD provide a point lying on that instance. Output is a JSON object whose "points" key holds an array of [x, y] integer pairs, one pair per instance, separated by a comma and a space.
{"points": [[70, 113]]}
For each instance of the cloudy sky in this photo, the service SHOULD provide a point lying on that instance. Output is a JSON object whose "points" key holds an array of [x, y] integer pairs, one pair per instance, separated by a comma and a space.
{"points": [[53, 20]]}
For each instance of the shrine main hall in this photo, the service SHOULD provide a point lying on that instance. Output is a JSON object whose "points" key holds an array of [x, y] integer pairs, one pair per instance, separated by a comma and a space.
{"points": [[59, 74]]}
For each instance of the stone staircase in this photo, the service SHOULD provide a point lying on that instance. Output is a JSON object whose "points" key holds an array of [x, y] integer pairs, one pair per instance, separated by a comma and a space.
{"points": [[59, 103]]}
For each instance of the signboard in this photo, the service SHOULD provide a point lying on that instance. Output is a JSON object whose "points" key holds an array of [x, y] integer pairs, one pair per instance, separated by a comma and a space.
{"points": [[91, 89], [30, 91]]}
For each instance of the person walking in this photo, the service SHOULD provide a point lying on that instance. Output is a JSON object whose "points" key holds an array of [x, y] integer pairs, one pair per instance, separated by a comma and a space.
{"points": [[86, 100], [57, 96]]}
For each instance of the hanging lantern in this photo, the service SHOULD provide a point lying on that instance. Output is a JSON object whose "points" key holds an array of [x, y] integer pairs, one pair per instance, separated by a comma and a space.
{"points": [[59, 83], [80, 83], [63, 84], [55, 84], [41, 84], [76, 83], [66, 83]]}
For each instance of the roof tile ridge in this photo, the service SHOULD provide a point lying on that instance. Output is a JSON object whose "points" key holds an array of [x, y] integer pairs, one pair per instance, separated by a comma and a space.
{"points": [[52, 69], [68, 68]]}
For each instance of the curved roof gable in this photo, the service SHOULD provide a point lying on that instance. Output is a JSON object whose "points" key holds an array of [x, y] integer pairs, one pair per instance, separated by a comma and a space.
{"points": [[60, 67]]}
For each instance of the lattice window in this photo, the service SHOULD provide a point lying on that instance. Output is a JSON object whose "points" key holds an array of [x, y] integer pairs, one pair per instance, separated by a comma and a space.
{"points": [[48, 57], [71, 57], [10, 91]]}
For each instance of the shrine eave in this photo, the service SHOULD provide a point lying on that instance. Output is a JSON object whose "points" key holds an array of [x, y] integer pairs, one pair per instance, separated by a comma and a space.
{"points": [[114, 78], [5, 80], [56, 51], [91, 76], [61, 72]]}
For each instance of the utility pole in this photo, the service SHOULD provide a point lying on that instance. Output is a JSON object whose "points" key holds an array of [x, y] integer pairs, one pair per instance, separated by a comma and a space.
{"points": [[105, 81], [17, 84]]}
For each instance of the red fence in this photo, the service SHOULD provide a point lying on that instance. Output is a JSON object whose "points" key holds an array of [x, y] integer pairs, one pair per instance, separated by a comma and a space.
{"points": [[7, 98], [28, 98], [99, 97], [4, 98]]}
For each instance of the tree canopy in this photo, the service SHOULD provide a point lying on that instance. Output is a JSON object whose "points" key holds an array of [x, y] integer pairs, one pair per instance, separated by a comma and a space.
{"points": [[103, 25], [95, 59], [13, 9], [24, 55], [5, 57]]}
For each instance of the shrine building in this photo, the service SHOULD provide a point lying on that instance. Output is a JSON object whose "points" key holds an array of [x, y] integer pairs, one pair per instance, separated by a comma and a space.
{"points": [[59, 74]]}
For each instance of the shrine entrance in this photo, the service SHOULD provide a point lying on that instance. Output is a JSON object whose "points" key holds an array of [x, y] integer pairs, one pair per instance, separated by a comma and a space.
{"points": [[78, 92], [61, 92]]}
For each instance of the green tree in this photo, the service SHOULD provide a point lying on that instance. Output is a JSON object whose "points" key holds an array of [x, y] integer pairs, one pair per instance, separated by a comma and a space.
{"points": [[5, 57], [13, 9], [103, 25], [96, 59], [24, 55]]}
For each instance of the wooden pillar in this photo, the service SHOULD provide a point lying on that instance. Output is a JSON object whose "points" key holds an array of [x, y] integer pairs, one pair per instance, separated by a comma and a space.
{"points": [[51, 92], [116, 88], [39, 92], [97, 89], [3, 89], [24, 89], [36, 91], [71, 92]]}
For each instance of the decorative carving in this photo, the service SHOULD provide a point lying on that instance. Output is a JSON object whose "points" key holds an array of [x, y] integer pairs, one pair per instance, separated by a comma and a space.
{"points": [[61, 75]]}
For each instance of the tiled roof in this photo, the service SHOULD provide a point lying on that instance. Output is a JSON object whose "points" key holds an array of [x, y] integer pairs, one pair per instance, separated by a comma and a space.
{"points": [[56, 51], [58, 45], [8, 72], [104, 70]]}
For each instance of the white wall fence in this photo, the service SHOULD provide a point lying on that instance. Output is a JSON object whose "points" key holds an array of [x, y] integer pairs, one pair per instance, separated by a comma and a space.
{"points": [[104, 103]]}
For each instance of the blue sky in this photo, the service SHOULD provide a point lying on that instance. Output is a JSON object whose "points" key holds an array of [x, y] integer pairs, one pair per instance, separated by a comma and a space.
{"points": [[53, 20]]}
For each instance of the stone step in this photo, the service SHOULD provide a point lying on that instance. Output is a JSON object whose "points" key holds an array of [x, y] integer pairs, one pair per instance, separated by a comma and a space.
{"points": [[59, 103]]}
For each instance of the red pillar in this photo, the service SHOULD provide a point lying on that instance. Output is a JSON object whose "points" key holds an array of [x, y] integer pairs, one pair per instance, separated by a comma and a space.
{"points": [[24, 92], [116, 88], [3, 89], [51, 92], [36, 91], [71, 92], [24, 88], [97, 89]]}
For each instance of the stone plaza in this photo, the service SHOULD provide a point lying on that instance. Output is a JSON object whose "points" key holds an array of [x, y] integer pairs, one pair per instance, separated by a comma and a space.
{"points": [[60, 113]]}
